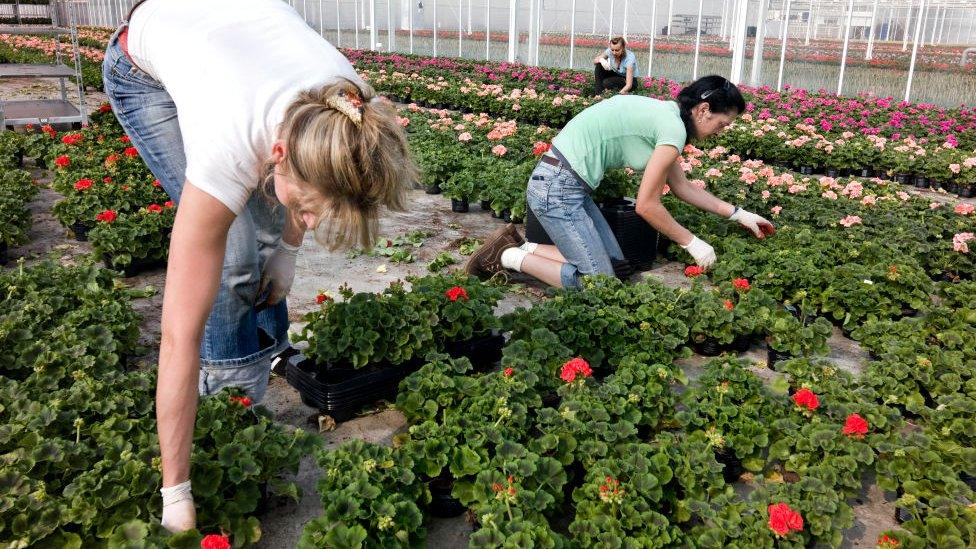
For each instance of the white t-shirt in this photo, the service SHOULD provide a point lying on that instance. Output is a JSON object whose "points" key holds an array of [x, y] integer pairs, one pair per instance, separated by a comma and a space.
{"points": [[232, 67]]}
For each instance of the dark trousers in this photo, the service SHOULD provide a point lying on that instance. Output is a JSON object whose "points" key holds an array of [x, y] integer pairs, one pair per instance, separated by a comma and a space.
{"points": [[608, 80]]}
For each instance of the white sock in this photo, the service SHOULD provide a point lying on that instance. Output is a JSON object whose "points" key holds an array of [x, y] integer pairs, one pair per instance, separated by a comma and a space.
{"points": [[512, 258], [529, 246]]}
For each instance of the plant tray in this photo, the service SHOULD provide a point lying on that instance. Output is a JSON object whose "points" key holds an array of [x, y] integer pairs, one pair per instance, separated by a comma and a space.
{"points": [[138, 265], [484, 352]]}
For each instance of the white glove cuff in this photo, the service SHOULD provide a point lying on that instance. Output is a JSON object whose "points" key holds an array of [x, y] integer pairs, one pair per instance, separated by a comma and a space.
{"points": [[288, 248], [176, 494], [692, 243], [736, 213]]}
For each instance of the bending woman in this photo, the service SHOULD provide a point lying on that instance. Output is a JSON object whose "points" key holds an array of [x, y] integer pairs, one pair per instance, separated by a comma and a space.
{"points": [[624, 131], [260, 130]]}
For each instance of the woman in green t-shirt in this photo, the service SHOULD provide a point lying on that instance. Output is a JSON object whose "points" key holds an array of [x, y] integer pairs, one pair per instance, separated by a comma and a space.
{"points": [[624, 131]]}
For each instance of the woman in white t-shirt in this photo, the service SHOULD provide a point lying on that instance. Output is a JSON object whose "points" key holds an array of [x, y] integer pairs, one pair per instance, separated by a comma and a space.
{"points": [[226, 99]]}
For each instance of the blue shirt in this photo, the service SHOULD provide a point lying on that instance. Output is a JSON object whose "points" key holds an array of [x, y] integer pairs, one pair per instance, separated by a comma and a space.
{"points": [[629, 60]]}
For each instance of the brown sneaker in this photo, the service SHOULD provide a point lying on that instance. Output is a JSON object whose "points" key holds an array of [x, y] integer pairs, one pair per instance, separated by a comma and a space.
{"points": [[487, 260]]}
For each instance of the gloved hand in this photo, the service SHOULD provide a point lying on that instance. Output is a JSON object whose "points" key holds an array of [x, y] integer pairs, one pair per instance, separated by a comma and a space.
{"points": [[605, 63], [757, 224], [279, 273], [179, 513], [702, 251]]}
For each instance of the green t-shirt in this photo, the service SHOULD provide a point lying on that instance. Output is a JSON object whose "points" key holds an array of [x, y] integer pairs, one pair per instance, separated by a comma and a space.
{"points": [[619, 132]]}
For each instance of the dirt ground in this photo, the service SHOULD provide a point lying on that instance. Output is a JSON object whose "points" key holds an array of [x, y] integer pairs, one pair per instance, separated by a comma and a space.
{"points": [[319, 270]]}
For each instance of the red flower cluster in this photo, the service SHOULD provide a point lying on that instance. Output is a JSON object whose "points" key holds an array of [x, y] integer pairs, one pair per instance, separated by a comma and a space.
{"points": [[156, 183], [62, 161], [497, 487], [72, 139], [154, 208], [131, 152], [456, 292], [540, 148], [741, 284], [783, 519], [111, 159], [574, 367], [83, 184], [508, 372], [168, 204], [107, 216], [888, 542], [125, 139], [805, 398], [104, 107], [106, 179], [242, 400], [49, 130], [691, 271], [728, 305], [855, 426], [322, 298]]}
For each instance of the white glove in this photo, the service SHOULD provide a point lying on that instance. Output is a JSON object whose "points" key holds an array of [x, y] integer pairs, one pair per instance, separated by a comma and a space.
{"points": [[757, 224], [702, 251], [178, 511], [279, 272], [605, 63]]}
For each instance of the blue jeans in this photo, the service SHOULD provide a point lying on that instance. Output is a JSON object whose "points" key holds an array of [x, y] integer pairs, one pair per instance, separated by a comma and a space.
{"points": [[563, 205], [239, 338]]}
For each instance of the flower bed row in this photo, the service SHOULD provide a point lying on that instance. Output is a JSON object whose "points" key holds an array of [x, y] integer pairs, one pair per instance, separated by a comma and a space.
{"points": [[16, 190], [78, 425], [110, 197], [555, 450]]}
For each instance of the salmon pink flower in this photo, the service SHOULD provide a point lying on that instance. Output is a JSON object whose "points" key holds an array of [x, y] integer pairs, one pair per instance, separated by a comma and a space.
{"points": [[964, 208], [540, 148], [691, 271]]}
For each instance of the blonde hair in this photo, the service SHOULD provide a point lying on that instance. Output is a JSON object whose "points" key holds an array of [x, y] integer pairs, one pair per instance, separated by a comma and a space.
{"points": [[347, 147]]}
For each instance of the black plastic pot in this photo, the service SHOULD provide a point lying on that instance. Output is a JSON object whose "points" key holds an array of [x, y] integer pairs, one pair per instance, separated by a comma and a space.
{"points": [[902, 178], [433, 189], [708, 347], [506, 215], [442, 505], [921, 182], [733, 465], [3, 253], [806, 170], [80, 231], [966, 192], [484, 352], [459, 206], [968, 480], [664, 247], [342, 391], [866, 172], [740, 344], [486, 205], [773, 356], [637, 239], [833, 172], [495, 214], [136, 266], [279, 362], [952, 187]]}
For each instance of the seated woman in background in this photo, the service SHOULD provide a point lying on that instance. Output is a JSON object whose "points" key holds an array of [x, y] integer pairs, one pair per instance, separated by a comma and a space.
{"points": [[615, 68]]}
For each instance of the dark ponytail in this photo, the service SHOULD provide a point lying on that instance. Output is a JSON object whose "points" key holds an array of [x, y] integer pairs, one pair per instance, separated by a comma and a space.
{"points": [[721, 95]]}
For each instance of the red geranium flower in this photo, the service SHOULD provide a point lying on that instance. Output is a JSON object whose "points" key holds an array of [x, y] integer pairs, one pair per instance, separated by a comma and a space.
{"points": [[106, 179], [154, 208], [740, 284], [125, 139], [107, 216], [131, 152], [508, 372], [887, 542], [112, 159], [805, 398], [156, 183], [168, 204], [49, 130], [322, 298], [728, 305], [62, 161], [242, 400], [783, 519], [540, 148], [855, 426], [574, 367], [456, 292], [71, 139], [83, 184], [691, 271], [105, 107]]}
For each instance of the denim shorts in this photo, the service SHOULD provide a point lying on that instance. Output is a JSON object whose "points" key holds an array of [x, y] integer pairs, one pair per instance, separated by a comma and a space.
{"points": [[565, 209], [239, 338]]}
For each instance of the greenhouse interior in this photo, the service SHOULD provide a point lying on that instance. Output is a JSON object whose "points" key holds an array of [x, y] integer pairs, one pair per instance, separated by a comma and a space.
{"points": [[487, 273]]}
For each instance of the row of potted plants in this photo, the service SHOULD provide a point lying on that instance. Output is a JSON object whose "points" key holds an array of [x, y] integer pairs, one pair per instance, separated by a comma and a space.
{"points": [[78, 425], [16, 191]]}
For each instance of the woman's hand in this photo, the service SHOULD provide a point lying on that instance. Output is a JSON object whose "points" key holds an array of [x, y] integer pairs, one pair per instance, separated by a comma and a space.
{"points": [[196, 258], [757, 224]]}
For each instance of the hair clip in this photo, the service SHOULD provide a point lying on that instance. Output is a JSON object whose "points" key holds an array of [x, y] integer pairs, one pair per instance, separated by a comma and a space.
{"points": [[348, 104]]}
